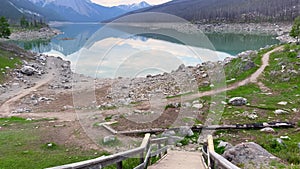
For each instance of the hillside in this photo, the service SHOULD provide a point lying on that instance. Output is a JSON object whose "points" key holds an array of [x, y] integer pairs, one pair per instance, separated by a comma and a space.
{"points": [[229, 10], [15, 9], [63, 10], [79, 10]]}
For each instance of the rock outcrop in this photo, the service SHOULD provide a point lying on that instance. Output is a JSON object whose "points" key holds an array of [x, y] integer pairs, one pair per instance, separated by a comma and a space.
{"points": [[250, 155]]}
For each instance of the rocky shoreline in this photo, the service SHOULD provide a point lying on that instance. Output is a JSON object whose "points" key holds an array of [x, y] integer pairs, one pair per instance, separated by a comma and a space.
{"points": [[279, 30], [44, 33]]}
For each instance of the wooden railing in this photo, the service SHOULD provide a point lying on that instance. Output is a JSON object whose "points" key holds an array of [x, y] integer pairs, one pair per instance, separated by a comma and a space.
{"points": [[213, 159], [145, 152]]}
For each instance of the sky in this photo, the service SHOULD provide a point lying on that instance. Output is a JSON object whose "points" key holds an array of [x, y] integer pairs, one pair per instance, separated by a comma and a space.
{"points": [[121, 2]]}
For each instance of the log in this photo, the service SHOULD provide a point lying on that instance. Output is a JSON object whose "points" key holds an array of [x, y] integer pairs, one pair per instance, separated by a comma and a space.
{"points": [[216, 127]]}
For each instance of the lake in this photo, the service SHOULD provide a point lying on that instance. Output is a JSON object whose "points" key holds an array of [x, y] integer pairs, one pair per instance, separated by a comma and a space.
{"points": [[109, 51]]}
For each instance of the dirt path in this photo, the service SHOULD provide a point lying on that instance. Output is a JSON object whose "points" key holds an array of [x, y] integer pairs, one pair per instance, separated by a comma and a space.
{"points": [[14, 96], [252, 79], [180, 159], [5, 107]]}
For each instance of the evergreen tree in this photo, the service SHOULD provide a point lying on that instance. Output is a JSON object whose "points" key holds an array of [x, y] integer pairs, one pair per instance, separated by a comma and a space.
{"points": [[295, 32], [24, 23], [4, 28]]}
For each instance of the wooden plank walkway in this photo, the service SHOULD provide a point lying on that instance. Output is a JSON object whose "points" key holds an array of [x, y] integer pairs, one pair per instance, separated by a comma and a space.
{"points": [[180, 160]]}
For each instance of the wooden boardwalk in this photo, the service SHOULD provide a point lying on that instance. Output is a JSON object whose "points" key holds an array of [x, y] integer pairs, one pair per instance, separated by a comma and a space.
{"points": [[180, 160]]}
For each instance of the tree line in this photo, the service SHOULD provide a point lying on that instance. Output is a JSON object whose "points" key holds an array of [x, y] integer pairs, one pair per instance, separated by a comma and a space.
{"points": [[32, 23], [231, 11], [5, 28]]}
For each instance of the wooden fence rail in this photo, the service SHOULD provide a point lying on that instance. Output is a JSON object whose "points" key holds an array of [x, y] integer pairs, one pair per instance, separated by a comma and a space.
{"points": [[145, 152], [213, 159]]}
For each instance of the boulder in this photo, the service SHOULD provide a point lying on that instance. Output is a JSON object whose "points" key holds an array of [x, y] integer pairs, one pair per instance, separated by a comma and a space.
{"points": [[268, 130], [249, 65], [224, 144], [22, 110], [28, 70], [285, 137], [168, 133], [238, 101], [198, 106], [279, 141], [283, 103], [250, 155], [185, 131], [172, 140], [279, 111]]}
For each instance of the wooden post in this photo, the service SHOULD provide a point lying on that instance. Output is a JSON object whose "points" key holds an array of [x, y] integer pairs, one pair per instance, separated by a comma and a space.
{"points": [[145, 145], [210, 142], [119, 165]]}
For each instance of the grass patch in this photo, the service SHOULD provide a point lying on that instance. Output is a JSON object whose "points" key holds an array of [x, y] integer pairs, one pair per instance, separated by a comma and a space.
{"points": [[234, 69], [22, 147], [219, 150], [192, 138], [7, 59], [281, 64]]}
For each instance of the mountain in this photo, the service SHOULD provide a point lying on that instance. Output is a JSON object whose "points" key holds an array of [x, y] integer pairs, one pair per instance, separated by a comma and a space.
{"points": [[15, 9], [215, 11], [79, 10], [135, 6]]}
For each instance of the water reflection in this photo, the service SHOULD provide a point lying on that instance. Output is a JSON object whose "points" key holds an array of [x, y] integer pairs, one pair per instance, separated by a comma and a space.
{"points": [[117, 57], [132, 51]]}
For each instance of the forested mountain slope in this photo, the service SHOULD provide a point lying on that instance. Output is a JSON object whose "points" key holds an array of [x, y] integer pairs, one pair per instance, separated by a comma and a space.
{"points": [[230, 10]]}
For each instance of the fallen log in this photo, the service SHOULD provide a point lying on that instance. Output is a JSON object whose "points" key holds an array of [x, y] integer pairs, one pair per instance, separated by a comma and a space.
{"points": [[198, 128]]}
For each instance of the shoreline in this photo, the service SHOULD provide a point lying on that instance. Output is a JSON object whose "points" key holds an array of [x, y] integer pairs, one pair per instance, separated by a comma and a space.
{"points": [[279, 30], [45, 33]]}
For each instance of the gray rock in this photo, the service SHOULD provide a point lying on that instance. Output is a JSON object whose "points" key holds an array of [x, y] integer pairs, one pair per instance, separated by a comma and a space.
{"points": [[67, 107], [28, 70], [178, 144], [285, 137], [174, 105], [168, 133], [172, 140], [250, 155], [279, 111], [41, 99], [108, 139], [282, 103], [224, 144], [238, 101], [187, 104], [22, 110], [34, 102], [185, 131], [279, 141], [198, 106], [67, 86], [268, 130], [252, 116], [249, 65]]}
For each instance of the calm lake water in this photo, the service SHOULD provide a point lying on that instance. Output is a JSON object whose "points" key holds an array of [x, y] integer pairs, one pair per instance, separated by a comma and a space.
{"points": [[112, 51]]}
